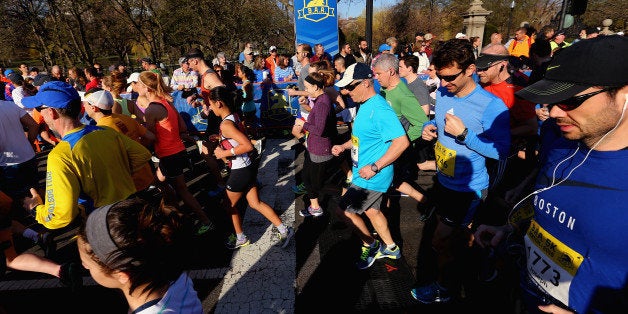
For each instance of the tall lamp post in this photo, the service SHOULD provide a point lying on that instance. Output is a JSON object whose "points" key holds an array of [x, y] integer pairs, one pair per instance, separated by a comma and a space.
{"points": [[512, 7]]}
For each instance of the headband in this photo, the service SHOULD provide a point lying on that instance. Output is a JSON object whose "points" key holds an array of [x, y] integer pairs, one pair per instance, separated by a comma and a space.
{"points": [[99, 238]]}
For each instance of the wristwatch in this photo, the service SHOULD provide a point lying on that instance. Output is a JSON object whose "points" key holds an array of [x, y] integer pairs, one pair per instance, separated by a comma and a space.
{"points": [[374, 168], [461, 137]]}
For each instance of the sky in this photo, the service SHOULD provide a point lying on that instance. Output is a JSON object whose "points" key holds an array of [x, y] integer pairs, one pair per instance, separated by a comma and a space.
{"points": [[353, 8]]}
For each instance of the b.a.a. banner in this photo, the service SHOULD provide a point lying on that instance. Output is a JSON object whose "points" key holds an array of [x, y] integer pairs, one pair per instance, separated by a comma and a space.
{"points": [[316, 22]]}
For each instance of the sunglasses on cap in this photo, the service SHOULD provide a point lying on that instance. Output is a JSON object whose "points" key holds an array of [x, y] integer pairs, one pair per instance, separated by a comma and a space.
{"points": [[351, 87], [492, 64], [575, 101], [449, 78]]}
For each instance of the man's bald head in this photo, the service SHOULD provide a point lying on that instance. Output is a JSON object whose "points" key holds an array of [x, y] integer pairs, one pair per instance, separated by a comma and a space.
{"points": [[499, 50]]}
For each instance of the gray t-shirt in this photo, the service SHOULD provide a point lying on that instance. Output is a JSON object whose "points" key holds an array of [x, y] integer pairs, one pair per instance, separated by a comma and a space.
{"points": [[420, 91], [305, 71]]}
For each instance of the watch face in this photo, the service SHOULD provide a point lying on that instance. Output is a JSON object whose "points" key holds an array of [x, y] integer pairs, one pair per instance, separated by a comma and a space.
{"points": [[374, 168]]}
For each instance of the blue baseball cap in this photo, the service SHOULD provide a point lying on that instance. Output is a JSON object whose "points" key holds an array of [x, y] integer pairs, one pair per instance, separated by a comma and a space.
{"points": [[8, 71], [384, 47], [55, 94]]}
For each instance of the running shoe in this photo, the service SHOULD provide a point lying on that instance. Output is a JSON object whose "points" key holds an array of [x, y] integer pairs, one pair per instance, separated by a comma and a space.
{"points": [[284, 239], [299, 189], [367, 258], [258, 146], [316, 212], [384, 252], [202, 228], [233, 243], [432, 293], [305, 212]]}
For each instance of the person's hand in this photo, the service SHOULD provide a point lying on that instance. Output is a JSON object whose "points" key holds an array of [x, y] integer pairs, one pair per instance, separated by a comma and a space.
{"points": [[542, 113], [555, 309], [292, 92], [302, 100], [220, 153], [337, 150], [490, 236], [366, 172], [429, 132], [453, 125], [192, 100], [31, 202]]}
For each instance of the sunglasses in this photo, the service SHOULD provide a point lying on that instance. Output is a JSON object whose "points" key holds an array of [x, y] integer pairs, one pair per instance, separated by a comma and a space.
{"points": [[449, 78], [575, 101], [351, 87], [486, 68]]}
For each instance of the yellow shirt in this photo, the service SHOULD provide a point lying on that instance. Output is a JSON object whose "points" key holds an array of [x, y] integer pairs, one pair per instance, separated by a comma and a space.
{"points": [[90, 167], [520, 48], [128, 126]]}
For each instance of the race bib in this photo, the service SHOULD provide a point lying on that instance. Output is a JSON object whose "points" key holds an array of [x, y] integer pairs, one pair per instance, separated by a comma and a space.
{"points": [[445, 159], [355, 143], [550, 263]]}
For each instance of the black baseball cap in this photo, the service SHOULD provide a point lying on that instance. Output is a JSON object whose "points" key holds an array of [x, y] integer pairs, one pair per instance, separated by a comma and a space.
{"points": [[15, 78], [41, 79], [588, 63], [485, 60]]}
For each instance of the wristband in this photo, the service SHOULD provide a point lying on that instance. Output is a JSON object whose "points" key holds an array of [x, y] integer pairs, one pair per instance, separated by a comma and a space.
{"points": [[233, 151]]}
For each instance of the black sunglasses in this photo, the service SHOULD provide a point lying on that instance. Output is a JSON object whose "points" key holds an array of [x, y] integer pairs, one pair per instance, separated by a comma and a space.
{"points": [[575, 101], [351, 87], [449, 78]]}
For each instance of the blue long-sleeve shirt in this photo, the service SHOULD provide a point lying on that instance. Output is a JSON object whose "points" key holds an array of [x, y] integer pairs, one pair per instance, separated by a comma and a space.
{"points": [[461, 165]]}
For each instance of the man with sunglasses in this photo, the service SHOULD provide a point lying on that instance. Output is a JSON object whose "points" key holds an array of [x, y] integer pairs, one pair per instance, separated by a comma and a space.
{"points": [[377, 140], [492, 69], [470, 125], [574, 258]]}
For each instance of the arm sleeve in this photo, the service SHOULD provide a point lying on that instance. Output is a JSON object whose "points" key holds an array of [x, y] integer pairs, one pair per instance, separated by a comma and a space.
{"points": [[494, 142], [62, 193], [315, 123]]}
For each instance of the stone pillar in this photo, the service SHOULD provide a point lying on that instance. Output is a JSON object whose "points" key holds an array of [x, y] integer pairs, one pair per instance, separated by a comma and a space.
{"points": [[606, 24], [475, 20]]}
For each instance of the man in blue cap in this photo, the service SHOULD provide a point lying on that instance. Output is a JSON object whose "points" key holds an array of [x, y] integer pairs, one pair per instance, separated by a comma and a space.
{"points": [[90, 167]]}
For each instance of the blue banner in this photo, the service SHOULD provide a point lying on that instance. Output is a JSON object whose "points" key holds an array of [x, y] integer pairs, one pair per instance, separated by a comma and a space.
{"points": [[316, 22]]}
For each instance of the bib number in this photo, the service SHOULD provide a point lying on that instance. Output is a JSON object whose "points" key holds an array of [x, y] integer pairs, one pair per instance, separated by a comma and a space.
{"points": [[550, 263], [355, 143], [445, 159]]}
